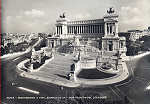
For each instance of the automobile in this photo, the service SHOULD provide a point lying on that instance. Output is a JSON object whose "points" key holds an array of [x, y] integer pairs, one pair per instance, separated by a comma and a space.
{"points": [[15, 84]]}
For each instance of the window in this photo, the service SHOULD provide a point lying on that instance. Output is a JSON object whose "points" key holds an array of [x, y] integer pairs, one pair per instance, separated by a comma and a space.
{"points": [[121, 45], [110, 45]]}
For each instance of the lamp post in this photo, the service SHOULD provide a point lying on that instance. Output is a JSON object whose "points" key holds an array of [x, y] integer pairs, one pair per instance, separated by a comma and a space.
{"points": [[117, 60], [75, 43]]}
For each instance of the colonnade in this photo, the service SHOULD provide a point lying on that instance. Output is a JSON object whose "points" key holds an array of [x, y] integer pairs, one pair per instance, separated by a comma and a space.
{"points": [[59, 30], [85, 29], [111, 28]]}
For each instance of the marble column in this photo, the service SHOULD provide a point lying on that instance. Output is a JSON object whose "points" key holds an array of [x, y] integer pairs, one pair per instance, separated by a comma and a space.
{"points": [[105, 28], [82, 29], [61, 30], [116, 29], [56, 30], [79, 29], [113, 29]]}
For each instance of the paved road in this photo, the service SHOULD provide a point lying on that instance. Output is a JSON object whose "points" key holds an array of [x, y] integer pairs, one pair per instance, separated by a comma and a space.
{"points": [[135, 90], [10, 76]]}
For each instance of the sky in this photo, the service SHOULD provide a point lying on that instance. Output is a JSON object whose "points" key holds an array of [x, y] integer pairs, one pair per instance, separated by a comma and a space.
{"points": [[41, 15]]}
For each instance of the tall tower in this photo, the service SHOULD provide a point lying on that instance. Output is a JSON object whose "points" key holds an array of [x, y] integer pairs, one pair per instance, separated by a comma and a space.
{"points": [[61, 25], [111, 42], [111, 23]]}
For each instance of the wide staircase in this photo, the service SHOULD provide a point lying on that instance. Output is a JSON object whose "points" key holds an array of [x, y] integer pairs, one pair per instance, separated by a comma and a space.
{"points": [[60, 65]]}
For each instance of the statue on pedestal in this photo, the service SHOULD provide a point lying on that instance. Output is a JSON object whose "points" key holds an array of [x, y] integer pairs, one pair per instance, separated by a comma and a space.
{"points": [[63, 15]]}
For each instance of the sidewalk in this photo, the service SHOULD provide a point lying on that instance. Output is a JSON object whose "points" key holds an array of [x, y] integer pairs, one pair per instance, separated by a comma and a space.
{"points": [[121, 76], [128, 58], [61, 82]]}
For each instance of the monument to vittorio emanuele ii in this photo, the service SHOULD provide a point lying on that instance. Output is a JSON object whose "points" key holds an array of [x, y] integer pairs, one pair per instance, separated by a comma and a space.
{"points": [[105, 30]]}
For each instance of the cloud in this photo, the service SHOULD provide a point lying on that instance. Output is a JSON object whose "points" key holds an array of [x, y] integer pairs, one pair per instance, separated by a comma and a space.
{"points": [[82, 16], [29, 21], [130, 15], [34, 13], [134, 15]]}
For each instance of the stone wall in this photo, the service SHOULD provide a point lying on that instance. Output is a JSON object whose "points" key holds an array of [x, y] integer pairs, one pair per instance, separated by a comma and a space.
{"points": [[88, 64]]}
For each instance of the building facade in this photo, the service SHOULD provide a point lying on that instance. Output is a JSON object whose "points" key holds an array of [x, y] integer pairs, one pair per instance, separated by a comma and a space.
{"points": [[105, 29], [111, 42], [84, 28], [135, 34]]}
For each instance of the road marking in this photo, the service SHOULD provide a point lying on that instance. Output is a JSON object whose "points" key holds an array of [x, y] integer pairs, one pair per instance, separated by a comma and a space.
{"points": [[29, 90], [124, 83], [114, 91], [16, 58], [121, 92]]}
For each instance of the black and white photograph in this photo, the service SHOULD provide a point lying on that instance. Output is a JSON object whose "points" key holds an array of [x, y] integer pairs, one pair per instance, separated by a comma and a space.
{"points": [[75, 51]]}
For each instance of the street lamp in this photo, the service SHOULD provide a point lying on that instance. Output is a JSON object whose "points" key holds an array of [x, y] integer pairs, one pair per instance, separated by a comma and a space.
{"points": [[117, 60], [75, 45]]}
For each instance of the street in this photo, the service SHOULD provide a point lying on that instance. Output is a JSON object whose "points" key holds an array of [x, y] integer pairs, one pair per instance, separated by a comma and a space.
{"points": [[135, 90]]}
